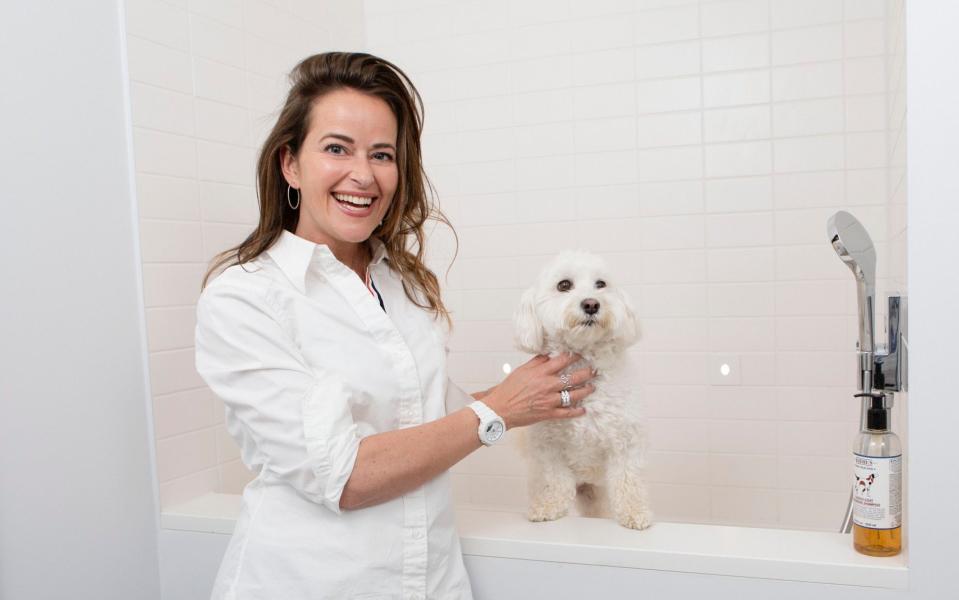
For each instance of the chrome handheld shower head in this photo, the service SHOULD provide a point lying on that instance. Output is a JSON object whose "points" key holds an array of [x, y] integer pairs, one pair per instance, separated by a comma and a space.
{"points": [[852, 243]]}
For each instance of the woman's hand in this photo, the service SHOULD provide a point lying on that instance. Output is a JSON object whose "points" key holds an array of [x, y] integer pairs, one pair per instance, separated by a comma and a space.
{"points": [[532, 392]]}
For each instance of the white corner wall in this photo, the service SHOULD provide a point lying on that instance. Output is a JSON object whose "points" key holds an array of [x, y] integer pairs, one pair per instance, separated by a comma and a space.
{"points": [[78, 514]]}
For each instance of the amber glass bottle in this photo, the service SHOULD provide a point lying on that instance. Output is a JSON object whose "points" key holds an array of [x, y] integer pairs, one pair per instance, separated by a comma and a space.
{"points": [[877, 497]]}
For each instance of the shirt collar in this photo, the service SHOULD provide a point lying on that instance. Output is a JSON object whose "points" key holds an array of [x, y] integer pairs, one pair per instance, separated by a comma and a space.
{"points": [[294, 254]]}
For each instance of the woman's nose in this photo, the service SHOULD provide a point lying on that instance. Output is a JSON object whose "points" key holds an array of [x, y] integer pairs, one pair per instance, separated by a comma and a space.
{"points": [[362, 174]]}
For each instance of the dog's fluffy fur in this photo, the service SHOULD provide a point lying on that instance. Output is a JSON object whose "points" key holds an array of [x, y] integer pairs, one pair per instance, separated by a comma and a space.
{"points": [[594, 459]]}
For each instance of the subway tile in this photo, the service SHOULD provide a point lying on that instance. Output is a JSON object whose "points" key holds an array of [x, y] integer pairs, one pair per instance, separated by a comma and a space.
{"points": [[479, 48], [545, 73], [741, 194], [866, 150], [817, 439], [739, 230], [488, 305], [604, 168], [228, 203], [592, 202], [744, 506], [809, 154], [864, 9], [160, 153], [786, 13], [675, 369], [670, 163], [814, 333], [558, 204], [675, 401], [677, 467], [610, 100], [736, 124], [742, 437], [809, 262], [742, 470], [809, 190], [730, 89], [742, 300], [544, 107], [600, 7], [866, 38], [222, 123], [865, 186], [865, 75], [680, 503], [817, 80], [672, 232], [170, 328], [161, 109], [541, 40], [218, 237], [682, 300], [219, 82], [673, 129], [678, 435], [499, 492], [808, 117], [730, 18], [741, 265], [865, 113], [598, 135], [486, 336], [748, 334], [173, 371], [674, 266], [265, 95], [226, 448], [815, 473], [169, 241], [603, 32], [807, 45], [216, 41], [182, 412], [488, 209], [225, 163], [482, 80], [758, 369], [673, 335], [607, 66], [742, 403], [666, 25], [188, 487], [501, 459], [811, 510], [233, 477], [738, 160], [164, 197], [158, 22], [159, 65], [185, 454], [225, 11], [172, 284], [815, 368], [616, 235], [818, 404], [554, 172], [741, 52], [665, 95], [670, 198], [668, 60], [800, 298]]}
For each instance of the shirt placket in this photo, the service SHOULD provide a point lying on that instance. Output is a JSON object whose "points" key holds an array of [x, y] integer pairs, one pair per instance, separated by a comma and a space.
{"points": [[385, 332]]}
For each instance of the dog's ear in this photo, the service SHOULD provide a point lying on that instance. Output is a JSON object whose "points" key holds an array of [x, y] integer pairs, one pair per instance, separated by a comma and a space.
{"points": [[629, 329], [529, 334]]}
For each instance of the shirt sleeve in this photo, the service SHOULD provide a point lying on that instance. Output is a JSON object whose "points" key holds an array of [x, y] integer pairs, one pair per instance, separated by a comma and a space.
{"points": [[291, 420]]}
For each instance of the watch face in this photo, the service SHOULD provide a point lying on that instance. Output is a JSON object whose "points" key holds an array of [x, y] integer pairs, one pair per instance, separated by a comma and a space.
{"points": [[494, 430]]}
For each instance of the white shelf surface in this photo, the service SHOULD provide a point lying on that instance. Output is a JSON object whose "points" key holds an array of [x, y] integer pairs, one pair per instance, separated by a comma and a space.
{"points": [[785, 554]]}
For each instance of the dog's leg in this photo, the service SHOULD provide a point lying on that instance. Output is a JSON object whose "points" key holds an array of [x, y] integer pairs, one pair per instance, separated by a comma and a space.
{"points": [[591, 500], [552, 486], [628, 496]]}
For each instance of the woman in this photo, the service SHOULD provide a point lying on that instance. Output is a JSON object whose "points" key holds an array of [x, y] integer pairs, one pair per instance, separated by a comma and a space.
{"points": [[322, 339]]}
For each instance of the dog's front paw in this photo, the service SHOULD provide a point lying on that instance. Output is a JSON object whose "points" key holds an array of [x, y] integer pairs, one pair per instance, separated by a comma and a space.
{"points": [[639, 520], [546, 512]]}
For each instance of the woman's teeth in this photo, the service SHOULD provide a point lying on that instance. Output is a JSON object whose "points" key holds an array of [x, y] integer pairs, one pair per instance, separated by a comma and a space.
{"points": [[354, 200]]}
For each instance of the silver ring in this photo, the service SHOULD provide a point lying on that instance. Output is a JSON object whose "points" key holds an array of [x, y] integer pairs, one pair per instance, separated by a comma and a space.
{"points": [[564, 378], [565, 400]]}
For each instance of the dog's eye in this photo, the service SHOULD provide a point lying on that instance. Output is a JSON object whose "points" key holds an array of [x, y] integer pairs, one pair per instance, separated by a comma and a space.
{"points": [[564, 285], [600, 284]]}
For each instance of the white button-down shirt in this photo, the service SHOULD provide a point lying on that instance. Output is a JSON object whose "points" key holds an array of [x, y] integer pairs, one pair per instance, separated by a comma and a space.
{"points": [[308, 363]]}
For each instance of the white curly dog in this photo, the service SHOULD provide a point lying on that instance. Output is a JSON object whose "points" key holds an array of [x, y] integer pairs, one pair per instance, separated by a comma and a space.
{"points": [[575, 306]]}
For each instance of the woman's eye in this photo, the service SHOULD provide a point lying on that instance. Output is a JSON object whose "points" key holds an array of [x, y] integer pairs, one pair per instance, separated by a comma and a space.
{"points": [[564, 285], [383, 156], [335, 149], [600, 283]]}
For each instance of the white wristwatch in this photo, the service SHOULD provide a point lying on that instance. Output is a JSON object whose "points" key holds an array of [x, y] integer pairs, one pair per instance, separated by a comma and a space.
{"points": [[491, 427]]}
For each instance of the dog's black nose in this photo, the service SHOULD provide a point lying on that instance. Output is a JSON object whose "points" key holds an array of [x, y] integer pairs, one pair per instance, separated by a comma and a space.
{"points": [[590, 306]]}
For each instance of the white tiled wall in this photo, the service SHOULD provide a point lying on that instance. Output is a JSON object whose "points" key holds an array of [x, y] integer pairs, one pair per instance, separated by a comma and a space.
{"points": [[700, 147], [206, 78]]}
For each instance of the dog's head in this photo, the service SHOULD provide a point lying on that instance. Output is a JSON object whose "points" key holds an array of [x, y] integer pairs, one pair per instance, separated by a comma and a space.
{"points": [[574, 305]]}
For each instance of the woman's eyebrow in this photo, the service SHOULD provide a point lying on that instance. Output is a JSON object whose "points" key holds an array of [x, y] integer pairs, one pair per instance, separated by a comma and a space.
{"points": [[349, 140]]}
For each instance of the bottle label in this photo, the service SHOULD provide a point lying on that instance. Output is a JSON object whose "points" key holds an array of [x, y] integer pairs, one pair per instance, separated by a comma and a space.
{"points": [[877, 492]]}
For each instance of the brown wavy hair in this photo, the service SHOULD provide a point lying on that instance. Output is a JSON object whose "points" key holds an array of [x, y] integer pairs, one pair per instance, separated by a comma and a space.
{"points": [[402, 229]]}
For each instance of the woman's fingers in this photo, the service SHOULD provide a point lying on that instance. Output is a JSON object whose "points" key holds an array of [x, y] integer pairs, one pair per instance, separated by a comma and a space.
{"points": [[576, 396], [574, 379]]}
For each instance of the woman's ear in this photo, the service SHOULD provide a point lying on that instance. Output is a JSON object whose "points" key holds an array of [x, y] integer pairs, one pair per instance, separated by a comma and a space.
{"points": [[290, 167], [528, 330]]}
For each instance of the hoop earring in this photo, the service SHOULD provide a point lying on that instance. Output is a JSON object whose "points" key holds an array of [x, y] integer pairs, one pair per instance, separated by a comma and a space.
{"points": [[289, 200]]}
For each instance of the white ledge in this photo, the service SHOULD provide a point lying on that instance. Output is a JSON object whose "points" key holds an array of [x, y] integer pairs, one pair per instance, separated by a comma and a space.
{"points": [[785, 554]]}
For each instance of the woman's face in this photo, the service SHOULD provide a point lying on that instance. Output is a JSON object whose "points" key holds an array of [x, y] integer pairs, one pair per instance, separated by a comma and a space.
{"points": [[345, 170]]}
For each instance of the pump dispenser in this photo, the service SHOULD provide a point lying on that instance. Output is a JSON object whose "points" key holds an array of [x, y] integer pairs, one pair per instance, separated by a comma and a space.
{"points": [[877, 495]]}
